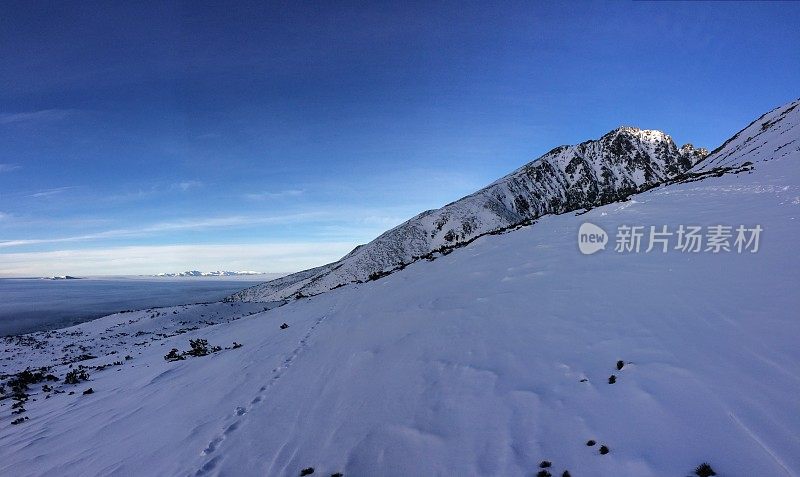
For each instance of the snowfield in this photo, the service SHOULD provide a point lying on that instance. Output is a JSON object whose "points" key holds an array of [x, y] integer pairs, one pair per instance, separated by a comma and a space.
{"points": [[484, 361]]}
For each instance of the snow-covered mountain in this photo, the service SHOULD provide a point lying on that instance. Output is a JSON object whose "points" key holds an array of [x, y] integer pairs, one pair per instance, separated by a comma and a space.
{"points": [[488, 360], [218, 273], [625, 161], [774, 135]]}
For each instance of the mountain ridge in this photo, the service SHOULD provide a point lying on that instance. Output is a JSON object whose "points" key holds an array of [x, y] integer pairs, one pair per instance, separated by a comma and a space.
{"points": [[627, 160]]}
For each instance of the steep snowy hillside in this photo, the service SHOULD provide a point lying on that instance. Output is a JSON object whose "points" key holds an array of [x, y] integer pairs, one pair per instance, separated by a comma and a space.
{"points": [[773, 136], [484, 361], [623, 162]]}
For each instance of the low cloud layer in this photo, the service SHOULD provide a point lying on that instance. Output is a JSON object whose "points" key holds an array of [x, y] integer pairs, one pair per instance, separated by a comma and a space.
{"points": [[146, 260]]}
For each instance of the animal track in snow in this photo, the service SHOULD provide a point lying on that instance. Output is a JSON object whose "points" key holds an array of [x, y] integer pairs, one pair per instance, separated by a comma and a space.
{"points": [[240, 411]]}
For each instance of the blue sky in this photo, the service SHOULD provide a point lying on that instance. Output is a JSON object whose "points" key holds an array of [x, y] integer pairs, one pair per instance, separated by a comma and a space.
{"points": [[140, 138]]}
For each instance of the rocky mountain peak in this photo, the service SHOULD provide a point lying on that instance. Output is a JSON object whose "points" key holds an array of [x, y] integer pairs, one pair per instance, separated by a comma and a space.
{"points": [[622, 162]]}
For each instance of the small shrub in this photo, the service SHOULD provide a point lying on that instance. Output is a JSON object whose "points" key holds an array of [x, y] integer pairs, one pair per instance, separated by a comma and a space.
{"points": [[604, 450], [378, 275], [174, 355], [199, 347], [19, 420], [612, 379], [704, 470], [543, 473], [284, 326], [89, 391], [545, 464], [236, 345], [19, 382], [566, 474], [307, 471], [620, 365], [75, 376], [591, 442]]}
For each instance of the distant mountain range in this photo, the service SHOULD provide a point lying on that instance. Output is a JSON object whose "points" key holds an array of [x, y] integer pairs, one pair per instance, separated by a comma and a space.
{"points": [[218, 273]]}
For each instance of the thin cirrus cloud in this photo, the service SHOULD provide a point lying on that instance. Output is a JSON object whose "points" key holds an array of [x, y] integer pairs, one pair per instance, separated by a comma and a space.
{"points": [[135, 195], [9, 167], [51, 192], [36, 116], [153, 190], [161, 227], [275, 195], [188, 185]]}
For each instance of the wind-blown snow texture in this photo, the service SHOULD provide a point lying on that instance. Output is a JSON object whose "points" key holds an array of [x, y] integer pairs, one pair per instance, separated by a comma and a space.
{"points": [[624, 161], [485, 361], [772, 136]]}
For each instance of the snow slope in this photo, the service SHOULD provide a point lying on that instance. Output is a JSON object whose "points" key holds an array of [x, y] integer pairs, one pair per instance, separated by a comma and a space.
{"points": [[624, 161], [484, 361], [772, 136]]}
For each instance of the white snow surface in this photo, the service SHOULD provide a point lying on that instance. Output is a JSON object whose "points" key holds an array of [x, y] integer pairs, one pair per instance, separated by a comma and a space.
{"points": [[470, 364], [774, 135]]}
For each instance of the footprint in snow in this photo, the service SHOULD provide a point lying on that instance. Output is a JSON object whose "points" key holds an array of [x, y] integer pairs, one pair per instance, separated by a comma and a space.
{"points": [[240, 411], [231, 428], [212, 446]]}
